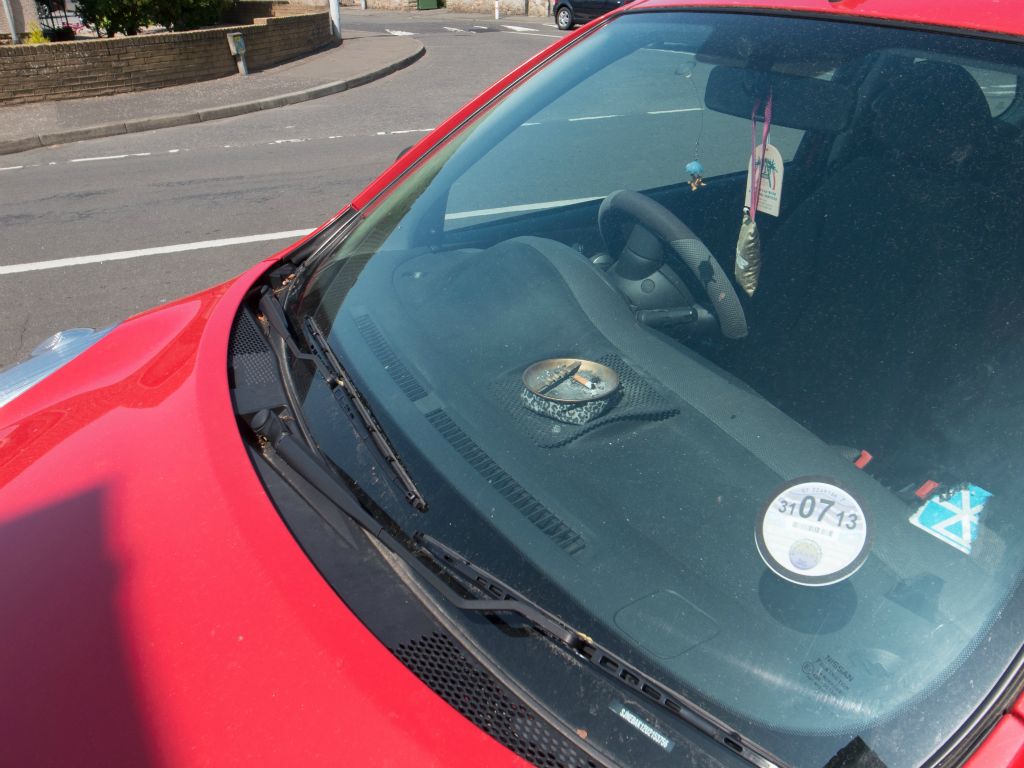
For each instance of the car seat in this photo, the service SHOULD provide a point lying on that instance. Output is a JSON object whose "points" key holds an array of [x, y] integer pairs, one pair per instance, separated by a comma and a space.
{"points": [[869, 289]]}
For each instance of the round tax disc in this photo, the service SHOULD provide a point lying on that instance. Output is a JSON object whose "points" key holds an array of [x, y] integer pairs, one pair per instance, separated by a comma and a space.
{"points": [[813, 533]]}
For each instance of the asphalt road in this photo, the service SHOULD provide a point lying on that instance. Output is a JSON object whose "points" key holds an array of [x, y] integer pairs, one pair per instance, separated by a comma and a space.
{"points": [[270, 173]]}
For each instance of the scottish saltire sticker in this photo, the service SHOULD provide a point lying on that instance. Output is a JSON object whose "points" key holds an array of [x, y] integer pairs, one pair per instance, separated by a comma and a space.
{"points": [[953, 516]]}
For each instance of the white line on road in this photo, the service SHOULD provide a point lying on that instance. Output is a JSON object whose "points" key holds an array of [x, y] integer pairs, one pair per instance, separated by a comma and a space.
{"points": [[477, 26], [109, 157], [676, 111], [76, 261], [528, 34], [399, 133], [19, 167], [399, 32], [519, 29], [593, 117], [456, 29]]}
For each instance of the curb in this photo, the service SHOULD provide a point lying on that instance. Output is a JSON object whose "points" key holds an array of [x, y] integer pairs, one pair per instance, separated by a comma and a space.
{"points": [[10, 146]]}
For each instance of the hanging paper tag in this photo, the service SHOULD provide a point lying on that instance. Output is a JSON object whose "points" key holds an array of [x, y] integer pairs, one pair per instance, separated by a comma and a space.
{"points": [[771, 180]]}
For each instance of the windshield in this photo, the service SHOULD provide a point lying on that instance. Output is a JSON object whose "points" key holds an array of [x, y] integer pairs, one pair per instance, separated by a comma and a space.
{"points": [[758, 428]]}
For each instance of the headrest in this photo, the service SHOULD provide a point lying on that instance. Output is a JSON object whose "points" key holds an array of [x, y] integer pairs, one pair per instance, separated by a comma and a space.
{"points": [[932, 110]]}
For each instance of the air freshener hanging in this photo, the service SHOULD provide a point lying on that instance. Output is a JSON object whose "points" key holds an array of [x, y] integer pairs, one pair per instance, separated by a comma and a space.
{"points": [[748, 245], [694, 168]]}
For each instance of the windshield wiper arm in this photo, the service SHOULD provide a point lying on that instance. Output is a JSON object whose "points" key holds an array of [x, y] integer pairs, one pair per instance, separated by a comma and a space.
{"points": [[338, 378], [279, 446], [334, 373], [597, 656]]}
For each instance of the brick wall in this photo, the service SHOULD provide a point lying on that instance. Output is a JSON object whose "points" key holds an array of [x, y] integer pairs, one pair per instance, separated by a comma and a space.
{"points": [[30, 73], [507, 7], [387, 5], [247, 11]]}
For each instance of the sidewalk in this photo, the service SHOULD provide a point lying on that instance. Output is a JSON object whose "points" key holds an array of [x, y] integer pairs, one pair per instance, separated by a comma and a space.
{"points": [[362, 58]]}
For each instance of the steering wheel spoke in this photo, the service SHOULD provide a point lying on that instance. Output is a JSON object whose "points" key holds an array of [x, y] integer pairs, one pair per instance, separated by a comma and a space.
{"points": [[636, 230]]}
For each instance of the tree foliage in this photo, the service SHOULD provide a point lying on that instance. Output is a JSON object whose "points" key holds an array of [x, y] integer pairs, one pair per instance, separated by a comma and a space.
{"points": [[187, 14], [109, 17]]}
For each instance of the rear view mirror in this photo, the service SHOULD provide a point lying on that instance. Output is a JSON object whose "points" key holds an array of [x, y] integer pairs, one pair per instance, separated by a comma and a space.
{"points": [[805, 103]]}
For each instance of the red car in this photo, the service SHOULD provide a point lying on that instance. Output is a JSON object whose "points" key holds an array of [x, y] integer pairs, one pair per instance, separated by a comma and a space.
{"points": [[662, 407]]}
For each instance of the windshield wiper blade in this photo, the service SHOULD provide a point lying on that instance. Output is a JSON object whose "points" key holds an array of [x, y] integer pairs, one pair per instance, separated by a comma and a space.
{"points": [[338, 378], [330, 367], [596, 655]]}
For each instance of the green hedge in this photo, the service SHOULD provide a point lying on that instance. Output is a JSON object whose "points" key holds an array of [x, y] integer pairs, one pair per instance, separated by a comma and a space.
{"points": [[109, 17]]}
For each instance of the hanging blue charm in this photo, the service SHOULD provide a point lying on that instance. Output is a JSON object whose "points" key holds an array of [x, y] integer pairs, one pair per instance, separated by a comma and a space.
{"points": [[696, 171]]}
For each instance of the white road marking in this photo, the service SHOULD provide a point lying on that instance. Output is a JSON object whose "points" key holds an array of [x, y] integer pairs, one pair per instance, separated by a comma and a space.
{"points": [[553, 26], [456, 29], [518, 208], [173, 151], [477, 26], [12, 168], [399, 133], [528, 34], [519, 29], [399, 32], [676, 111], [593, 117], [76, 261], [527, 125], [109, 157], [288, 141]]}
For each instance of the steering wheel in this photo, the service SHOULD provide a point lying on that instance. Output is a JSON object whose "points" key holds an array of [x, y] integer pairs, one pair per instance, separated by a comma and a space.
{"points": [[640, 273]]}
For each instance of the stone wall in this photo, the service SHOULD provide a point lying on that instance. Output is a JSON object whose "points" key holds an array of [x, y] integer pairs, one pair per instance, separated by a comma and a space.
{"points": [[507, 7], [247, 11], [30, 73]]}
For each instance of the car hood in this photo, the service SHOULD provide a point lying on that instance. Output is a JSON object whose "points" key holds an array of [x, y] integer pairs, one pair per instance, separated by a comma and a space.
{"points": [[156, 609]]}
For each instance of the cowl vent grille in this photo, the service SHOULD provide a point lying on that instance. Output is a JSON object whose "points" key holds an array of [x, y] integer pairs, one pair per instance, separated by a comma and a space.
{"points": [[467, 687]]}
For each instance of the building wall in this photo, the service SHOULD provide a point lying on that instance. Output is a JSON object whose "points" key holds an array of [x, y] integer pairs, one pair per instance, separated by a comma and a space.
{"points": [[30, 73], [24, 17], [247, 11], [507, 7]]}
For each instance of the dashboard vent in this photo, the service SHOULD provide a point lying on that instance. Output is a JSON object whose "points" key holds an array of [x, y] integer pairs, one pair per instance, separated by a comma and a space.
{"points": [[542, 517], [485, 702], [387, 357]]}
